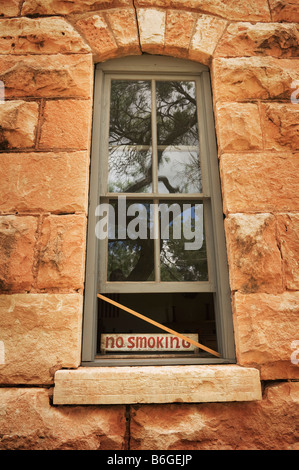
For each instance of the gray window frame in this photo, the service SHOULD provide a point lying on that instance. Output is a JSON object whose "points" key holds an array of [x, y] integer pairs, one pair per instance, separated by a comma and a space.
{"points": [[157, 67]]}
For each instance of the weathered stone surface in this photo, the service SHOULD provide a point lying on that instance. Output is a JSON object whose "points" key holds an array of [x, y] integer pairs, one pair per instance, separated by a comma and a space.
{"points": [[41, 333], [54, 182], [260, 182], [253, 255], [66, 124], [284, 10], [17, 245], [178, 32], [164, 384], [234, 10], [288, 237], [247, 39], [151, 29], [18, 122], [124, 28], [65, 7], [9, 7], [238, 127], [49, 77], [254, 78], [281, 126], [207, 33], [29, 422], [62, 252], [39, 36], [265, 327], [99, 35], [269, 424]]}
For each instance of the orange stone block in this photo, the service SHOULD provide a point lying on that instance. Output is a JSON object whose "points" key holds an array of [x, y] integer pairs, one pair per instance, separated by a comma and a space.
{"points": [[99, 36], [44, 182], [39, 36], [17, 251], [61, 259], [281, 126], [288, 236], [66, 7], [178, 33], [66, 124], [234, 10], [284, 10], [254, 78], [205, 38], [9, 7], [260, 39], [238, 127], [18, 124], [253, 255], [52, 76], [260, 182], [266, 326], [124, 28]]}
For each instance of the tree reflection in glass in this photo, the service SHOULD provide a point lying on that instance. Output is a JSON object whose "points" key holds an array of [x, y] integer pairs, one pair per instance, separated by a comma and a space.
{"points": [[130, 136]]}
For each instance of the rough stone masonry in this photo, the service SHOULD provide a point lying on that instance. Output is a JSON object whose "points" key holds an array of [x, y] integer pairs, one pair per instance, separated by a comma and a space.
{"points": [[48, 50]]}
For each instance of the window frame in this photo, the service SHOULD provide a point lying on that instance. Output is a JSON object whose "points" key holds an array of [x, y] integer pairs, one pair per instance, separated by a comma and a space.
{"points": [[157, 67]]}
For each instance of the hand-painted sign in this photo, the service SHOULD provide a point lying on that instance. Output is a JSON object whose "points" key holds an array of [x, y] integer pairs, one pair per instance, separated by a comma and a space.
{"points": [[146, 342]]}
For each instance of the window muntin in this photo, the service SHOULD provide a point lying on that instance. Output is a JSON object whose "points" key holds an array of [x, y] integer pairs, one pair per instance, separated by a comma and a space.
{"points": [[153, 152]]}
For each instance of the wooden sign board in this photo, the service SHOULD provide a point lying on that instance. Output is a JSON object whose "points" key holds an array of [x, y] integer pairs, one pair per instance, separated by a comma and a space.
{"points": [[134, 342]]}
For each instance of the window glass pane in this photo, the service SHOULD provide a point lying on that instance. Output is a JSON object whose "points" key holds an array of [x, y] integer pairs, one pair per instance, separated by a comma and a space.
{"points": [[130, 164], [186, 313], [130, 243], [183, 254], [177, 135]]}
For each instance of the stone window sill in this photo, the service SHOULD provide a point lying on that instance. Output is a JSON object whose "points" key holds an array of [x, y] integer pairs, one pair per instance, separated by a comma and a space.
{"points": [[156, 384]]}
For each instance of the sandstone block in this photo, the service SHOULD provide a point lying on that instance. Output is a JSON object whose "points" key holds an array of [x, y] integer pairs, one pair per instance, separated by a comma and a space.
{"points": [[238, 127], [254, 78], [9, 7], [284, 10], [17, 249], [205, 38], [237, 10], [281, 126], [151, 29], [18, 123], [41, 333], [66, 124], [98, 34], [39, 36], [62, 252], [38, 182], [288, 236], [49, 77], [178, 32], [150, 384], [265, 39], [266, 425], [253, 255], [66, 7], [28, 421], [260, 182], [124, 28], [266, 326]]}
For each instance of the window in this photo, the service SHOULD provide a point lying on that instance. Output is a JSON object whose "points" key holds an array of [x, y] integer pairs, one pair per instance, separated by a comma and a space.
{"points": [[157, 288]]}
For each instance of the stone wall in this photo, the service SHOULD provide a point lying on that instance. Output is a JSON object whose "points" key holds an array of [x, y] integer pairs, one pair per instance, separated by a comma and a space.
{"points": [[48, 49]]}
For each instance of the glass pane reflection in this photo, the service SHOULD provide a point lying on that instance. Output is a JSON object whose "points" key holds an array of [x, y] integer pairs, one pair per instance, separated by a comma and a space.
{"points": [[131, 252], [177, 133], [130, 154], [183, 253]]}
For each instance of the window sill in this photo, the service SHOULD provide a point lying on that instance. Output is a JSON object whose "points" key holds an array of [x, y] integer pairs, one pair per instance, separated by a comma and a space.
{"points": [[156, 384]]}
